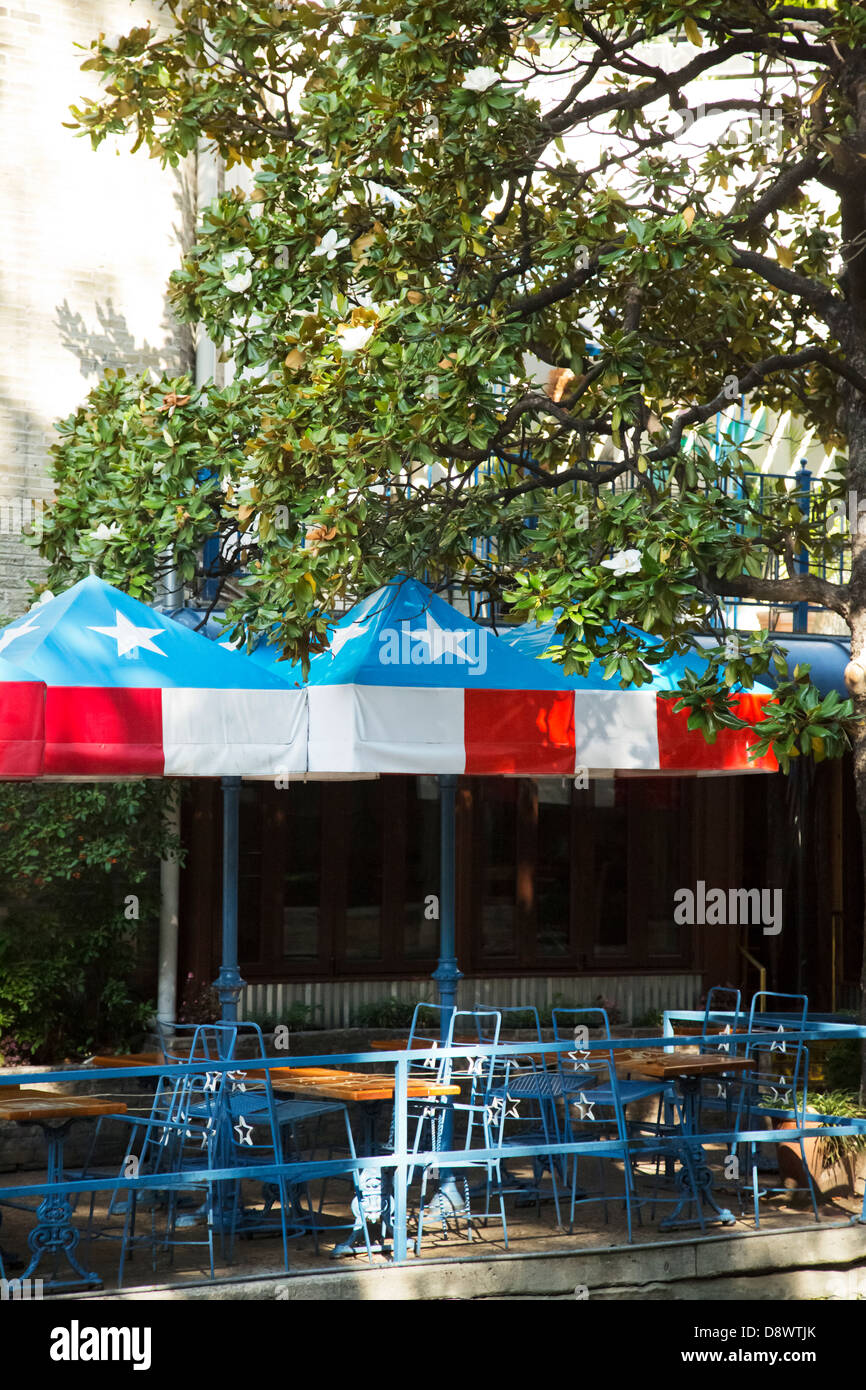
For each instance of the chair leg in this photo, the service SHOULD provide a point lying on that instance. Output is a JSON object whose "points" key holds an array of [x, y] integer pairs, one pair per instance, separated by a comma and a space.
{"points": [[809, 1180]]}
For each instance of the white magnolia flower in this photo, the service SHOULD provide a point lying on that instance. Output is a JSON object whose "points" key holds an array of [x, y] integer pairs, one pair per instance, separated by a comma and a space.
{"points": [[330, 245], [107, 533], [479, 79], [239, 282], [395, 27], [623, 562], [353, 339]]}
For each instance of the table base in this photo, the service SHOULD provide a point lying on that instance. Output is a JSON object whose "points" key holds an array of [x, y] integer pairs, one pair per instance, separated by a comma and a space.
{"points": [[54, 1233]]}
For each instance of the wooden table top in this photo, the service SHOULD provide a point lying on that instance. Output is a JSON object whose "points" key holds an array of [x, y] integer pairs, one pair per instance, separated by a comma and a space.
{"points": [[126, 1059], [43, 1105], [666, 1064], [337, 1084], [401, 1044]]}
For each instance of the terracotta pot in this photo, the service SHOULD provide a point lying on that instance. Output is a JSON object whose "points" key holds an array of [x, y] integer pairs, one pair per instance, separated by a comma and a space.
{"points": [[790, 1157]]}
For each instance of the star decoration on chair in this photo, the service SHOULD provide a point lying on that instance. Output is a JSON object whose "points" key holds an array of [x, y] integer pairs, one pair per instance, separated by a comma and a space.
{"points": [[586, 1107], [724, 1047], [492, 1111], [235, 1078], [778, 1046], [212, 1080], [720, 1088], [244, 1132], [781, 1092], [474, 1066], [513, 1113], [430, 1062], [580, 1059]]}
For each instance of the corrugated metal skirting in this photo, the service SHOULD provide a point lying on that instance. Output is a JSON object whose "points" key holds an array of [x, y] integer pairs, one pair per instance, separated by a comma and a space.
{"points": [[337, 1002]]}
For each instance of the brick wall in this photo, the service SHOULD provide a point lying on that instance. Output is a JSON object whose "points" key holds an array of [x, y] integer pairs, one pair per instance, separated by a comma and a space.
{"points": [[87, 242]]}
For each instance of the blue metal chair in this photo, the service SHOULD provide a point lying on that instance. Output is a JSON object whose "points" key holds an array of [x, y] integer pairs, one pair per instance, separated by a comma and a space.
{"points": [[483, 1115], [533, 1092], [611, 1096], [768, 1092], [218, 1120], [720, 999]]}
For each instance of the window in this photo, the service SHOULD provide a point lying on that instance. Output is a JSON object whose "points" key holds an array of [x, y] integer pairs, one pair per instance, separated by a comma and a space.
{"points": [[420, 925], [343, 878], [300, 853], [362, 852]]}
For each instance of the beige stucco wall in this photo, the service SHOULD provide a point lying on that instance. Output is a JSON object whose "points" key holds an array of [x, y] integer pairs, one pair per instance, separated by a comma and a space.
{"points": [[87, 242]]}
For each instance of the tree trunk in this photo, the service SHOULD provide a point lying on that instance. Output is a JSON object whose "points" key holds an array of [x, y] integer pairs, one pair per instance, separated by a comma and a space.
{"points": [[855, 415]]}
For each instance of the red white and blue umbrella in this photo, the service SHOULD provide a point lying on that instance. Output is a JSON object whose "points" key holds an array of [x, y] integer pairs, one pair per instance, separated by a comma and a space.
{"points": [[656, 737], [412, 685], [131, 693]]}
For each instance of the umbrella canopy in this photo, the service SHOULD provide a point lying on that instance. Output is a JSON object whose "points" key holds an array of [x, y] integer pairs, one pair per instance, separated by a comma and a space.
{"points": [[412, 685], [22, 722], [662, 739], [131, 693]]}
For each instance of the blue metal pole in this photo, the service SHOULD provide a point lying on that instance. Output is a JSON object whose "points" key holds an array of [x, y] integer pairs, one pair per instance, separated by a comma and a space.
{"points": [[228, 983], [401, 1145], [446, 974], [803, 479]]}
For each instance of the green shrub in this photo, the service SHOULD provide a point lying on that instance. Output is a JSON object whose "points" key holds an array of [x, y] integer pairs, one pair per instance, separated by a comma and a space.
{"points": [[845, 1104], [651, 1018], [384, 1013], [79, 907], [298, 1017]]}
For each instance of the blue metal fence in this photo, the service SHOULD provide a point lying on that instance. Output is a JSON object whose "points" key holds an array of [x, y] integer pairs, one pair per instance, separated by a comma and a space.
{"points": [[401, 1159]]}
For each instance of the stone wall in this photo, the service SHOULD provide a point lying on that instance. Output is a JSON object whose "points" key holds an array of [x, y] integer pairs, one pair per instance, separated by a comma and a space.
{"points": [[87, 242]]}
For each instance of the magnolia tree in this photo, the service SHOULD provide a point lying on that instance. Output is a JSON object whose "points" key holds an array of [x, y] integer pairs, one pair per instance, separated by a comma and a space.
{"points": [[441, 198]]}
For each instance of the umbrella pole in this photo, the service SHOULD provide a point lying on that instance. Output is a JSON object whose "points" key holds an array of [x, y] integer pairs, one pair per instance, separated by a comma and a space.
{"points": [[447, 975], [228, 983]]}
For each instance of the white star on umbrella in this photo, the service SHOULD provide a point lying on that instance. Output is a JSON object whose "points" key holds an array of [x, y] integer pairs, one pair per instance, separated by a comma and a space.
{"points": [[440, 640], [244, 1132], [13, 633], [342, 635], [129, 637], [586, 1107]]}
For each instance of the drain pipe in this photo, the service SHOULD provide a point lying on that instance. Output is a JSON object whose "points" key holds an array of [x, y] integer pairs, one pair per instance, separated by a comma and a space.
{"points": [[210, 180]]}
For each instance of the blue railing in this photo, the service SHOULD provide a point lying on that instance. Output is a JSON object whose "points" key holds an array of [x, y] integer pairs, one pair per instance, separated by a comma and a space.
{"points": [[401, 1159]]}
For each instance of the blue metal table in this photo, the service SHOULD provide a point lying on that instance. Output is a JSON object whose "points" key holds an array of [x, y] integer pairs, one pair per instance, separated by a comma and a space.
{"points": [[54, 1234]]}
